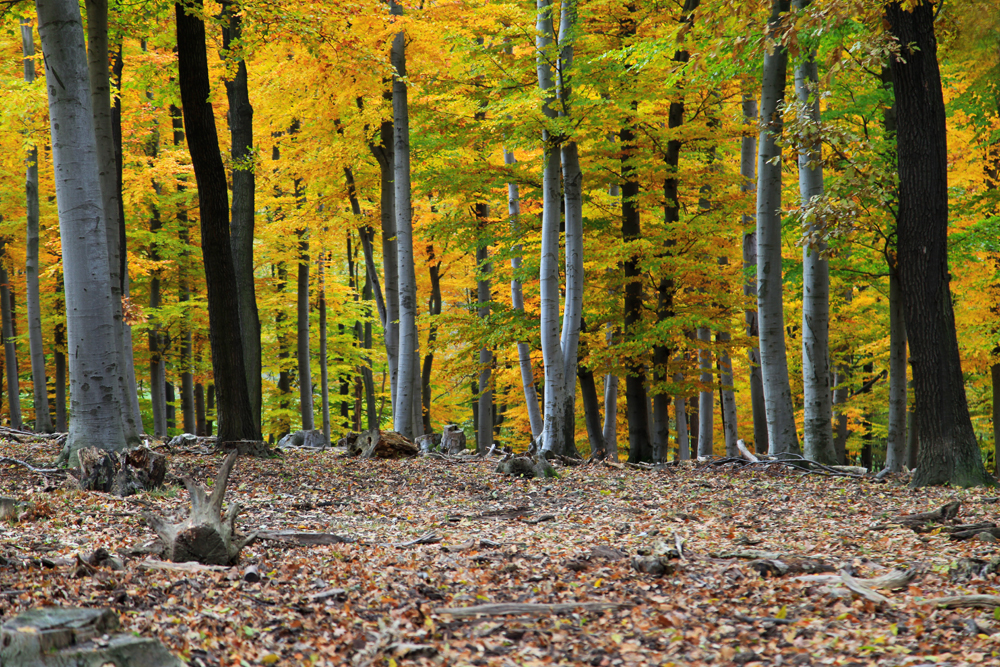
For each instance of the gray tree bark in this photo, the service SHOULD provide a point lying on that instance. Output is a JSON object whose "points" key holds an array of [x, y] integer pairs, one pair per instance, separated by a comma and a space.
{"points": [[706, 398], [484, 435], [93, 348], [43, 421], [100, 88], [781, 434], [324, 374], [517, 302], [817, 427], [727, 396], [407, 400], [302, 335], [9, 345]]}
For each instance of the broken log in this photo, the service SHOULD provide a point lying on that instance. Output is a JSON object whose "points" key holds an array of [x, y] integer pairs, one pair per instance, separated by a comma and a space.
{"points": [[944, 513], [303, 538], [380, 444], [517, 608], [773, 567], [66, 637], [956, 601], [890, 581], [204, 536]]}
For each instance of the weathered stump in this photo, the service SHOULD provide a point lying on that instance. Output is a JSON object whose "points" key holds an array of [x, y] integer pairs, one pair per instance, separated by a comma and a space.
{"points": [[303, 440], [205, 536], [68, 637], [452, 439], [121, 473], [526, 466]]}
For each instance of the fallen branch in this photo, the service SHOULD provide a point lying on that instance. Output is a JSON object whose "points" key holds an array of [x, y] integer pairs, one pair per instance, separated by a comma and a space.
{"points": [[514, 608], [40, 471], [943, 513], [890, 581], [426, 538], [956, 601], [746, 452], [306, 539], [190, 567], [865, 592]]}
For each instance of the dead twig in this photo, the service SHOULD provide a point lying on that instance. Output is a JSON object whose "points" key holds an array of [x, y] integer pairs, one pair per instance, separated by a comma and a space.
{"points": [[40, 471]]}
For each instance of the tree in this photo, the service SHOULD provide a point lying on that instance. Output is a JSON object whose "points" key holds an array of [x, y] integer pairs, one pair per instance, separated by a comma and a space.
{"points": [[93, 349], [949, 453], [774, 363], [43, 421], [235, 417]]}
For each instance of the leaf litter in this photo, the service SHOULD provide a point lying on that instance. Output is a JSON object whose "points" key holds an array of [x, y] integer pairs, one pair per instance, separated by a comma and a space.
{"points": [[445, 563]]}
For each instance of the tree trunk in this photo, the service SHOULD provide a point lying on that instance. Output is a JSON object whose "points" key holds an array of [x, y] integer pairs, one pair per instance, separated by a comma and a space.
{"points": [[484, 434], [302, 334], [949, 453], [324, 374], [895, 444], [235, 416], [748, 171], [706, 398], [817, 433], [199, 409], [284, 424], [93, 349], [100, 90], [781, 434], [366, 371], [517, 302], [680, 417], [407, 401], [187, 343], [172, 411], [59, 344], [433, 309], [727, 396], [591, 407], [243, 207], [43, 421], [9, 347], [157, 370]]}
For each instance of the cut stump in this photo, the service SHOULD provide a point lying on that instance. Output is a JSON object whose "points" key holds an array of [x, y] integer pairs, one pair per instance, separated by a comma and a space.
{"points": [[121, 473], [205, 536], [69, 637]]}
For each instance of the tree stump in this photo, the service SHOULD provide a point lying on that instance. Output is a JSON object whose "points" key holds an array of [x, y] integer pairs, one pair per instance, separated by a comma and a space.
{"points": [[382, 445], [452, 439], [205, 536], [121, 473], [69, 637], [255, 448], [526, 466]]}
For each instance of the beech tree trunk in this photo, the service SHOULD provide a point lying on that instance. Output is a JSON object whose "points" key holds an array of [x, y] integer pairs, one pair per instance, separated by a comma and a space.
{"points": [[324, 375], [781, 434], [9, 346], [407, 400], [243, 206], [235, 417], [93, 348], [706, 397], [43, 421], [748, 172], [817, 425], [100, 90], [187, 343], [949, 453], [433, 309], [484, 434], [59, 358], [302, 337], [517, 302]]}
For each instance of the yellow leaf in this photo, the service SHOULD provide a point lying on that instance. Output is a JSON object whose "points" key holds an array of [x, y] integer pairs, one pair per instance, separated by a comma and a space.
{"points": [[270, 659], [782, 613], [597, 584]]}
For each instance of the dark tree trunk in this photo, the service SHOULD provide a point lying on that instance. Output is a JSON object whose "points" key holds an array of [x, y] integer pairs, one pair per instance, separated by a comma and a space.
{"points": [[284, 378], [242, 226], [591, 406], [223, 306], [187, 344], [171, 410], [434, 309], [210, 410], [484, 431], [949, 453], [199, 409], [60, 378]]}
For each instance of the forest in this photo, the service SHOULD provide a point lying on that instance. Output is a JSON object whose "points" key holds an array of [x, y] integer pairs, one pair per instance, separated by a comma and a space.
{"points": [[593, 227]]}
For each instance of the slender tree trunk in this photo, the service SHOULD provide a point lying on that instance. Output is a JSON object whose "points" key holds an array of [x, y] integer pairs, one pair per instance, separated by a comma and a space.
{"points": [[199, 409], [611, 410], [817, 427], [43, 421], [157, 370], [243, 206], [187, 343], [727, 397], [895, 444], [680, 416], [949, 452], [407, 401], [484, 435], [172, 411], [235, 416], [912, 444], [210, 411], [302, 331], [781, 434], [366, 371], [706, 398], [100, 89], [433, 309], [517, 302], [93, 348], [324, 374], [748, 171], [591, 407], [60, 378], [9, 346]]}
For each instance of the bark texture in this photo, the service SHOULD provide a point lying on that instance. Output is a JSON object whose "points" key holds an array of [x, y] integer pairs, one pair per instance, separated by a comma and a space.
{"points": [[235, 416], [948, 452]]}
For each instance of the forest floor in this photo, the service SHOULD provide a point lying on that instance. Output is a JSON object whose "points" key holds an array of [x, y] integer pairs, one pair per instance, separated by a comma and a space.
{"points": [[383, 598]]}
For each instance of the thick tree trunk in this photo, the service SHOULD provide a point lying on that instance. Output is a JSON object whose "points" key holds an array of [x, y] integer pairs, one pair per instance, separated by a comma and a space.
{"points": [[100, 90], [895, 444], [949, 452], [517, 302], [781, 434], [9, 347], [817, 434], [43, 421], [302, 334], [92, 347], [407, 400], [235, 416], [243, 206]]}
